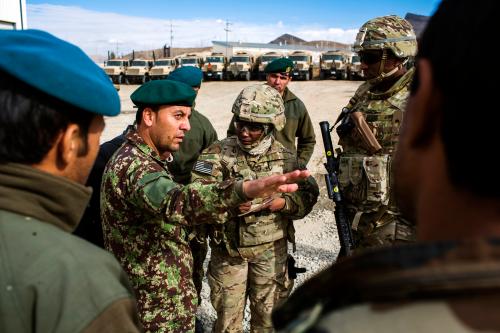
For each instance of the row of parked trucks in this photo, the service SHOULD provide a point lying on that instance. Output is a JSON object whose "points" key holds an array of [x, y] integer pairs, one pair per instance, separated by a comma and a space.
{"points": [[241, 66]]}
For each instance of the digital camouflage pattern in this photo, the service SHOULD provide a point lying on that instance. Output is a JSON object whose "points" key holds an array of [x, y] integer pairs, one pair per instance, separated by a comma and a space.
{"points": [[387, 32], [260, 104], [366, 180], [427, 287], [145, 215], [249, 253], [298, 134]]}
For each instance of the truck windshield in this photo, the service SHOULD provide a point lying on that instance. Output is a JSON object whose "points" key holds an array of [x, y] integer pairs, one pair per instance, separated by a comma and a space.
{"points": [[298, 58], [188, 61], [269, 58], [355, 59], [214, 59], [114, 63], [164, 63], [240, 59], [139, 63], [332, 57]]}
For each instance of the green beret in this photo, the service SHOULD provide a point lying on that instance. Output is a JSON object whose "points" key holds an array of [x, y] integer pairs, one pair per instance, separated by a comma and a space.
{"points": [[281, 65], [189, 75], [163, 92], [58, 69]]}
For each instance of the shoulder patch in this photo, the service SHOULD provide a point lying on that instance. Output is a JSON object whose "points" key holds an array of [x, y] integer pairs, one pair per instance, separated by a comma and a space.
{"points": [[203, 167], [215, 148]]}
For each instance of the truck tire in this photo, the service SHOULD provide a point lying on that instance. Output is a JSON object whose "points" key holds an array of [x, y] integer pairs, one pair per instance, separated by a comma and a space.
{"points": [[321, 75]]}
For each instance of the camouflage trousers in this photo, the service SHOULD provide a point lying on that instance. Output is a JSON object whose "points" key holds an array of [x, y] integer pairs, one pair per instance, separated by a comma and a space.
{"points": [[380, 228], [259, 274]]}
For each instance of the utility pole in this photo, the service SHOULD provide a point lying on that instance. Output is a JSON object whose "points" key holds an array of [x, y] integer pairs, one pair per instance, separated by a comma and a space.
{"points": [[227, 32], [171, 39]]}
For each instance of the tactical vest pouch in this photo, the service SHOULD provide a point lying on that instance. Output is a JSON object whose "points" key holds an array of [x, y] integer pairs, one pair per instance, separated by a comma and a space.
{"points": [[376, 168], [364, 179]]}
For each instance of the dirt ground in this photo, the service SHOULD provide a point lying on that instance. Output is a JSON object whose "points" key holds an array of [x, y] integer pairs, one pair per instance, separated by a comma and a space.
{"points": [[323, 99]]}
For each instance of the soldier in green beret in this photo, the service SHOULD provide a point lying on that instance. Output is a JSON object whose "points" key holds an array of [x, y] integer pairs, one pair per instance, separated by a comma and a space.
{"points": [[52, 281], [298, 123], [145, 213]]}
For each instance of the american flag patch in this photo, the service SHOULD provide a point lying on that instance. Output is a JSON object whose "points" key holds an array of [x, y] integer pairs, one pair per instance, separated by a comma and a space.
{"points": [[203, 167]]}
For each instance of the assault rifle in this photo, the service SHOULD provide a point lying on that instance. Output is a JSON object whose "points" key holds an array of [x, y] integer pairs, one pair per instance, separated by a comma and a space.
{"points": [[332, 185]]}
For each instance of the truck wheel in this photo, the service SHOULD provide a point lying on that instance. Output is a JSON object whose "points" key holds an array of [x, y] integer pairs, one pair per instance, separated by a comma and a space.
{"points": [[321, 75], [120, 79]]}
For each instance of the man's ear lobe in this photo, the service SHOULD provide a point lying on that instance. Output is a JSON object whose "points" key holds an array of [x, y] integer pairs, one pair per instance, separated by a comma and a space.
{"points": [[69, 144], [423, 116], [148, 116]]}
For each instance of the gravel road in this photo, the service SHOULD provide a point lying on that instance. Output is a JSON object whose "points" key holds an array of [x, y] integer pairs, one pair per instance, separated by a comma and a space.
{"points": [[317, 240]]}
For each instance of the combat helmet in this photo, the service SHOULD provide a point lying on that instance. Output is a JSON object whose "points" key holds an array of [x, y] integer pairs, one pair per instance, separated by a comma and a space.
{"points": [[387, 33], [260, 104]]}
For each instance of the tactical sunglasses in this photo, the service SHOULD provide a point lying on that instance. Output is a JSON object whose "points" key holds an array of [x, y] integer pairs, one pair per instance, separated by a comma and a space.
{"points": [[250, 127], [370, 58]]}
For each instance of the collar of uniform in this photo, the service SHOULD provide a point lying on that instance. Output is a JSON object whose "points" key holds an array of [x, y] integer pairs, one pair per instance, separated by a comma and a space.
{"points": [[134, 138], [33, 193], [288, 95]]}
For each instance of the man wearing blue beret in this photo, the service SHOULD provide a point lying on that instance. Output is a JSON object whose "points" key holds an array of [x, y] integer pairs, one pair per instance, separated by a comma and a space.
{"points": [[52, 281], [146, 214], [298, 123]]}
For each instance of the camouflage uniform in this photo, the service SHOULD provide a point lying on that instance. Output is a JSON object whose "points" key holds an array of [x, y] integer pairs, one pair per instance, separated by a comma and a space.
{"points": [[249, 256], [144, 216], [298, 125], [366, 179], [412, 288]]}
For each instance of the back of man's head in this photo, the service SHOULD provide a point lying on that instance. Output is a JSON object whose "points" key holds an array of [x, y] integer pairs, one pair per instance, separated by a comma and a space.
{"points": [[454, 42], [45, 85]]}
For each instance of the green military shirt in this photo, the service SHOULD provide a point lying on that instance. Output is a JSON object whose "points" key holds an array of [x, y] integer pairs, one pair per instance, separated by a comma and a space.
{"points": [[298, 125], [144, 215], [52, 281], [201, 135]]}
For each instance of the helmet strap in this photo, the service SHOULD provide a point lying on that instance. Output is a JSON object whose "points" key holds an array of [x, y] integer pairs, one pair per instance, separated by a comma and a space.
{"points": [[382, 75]]}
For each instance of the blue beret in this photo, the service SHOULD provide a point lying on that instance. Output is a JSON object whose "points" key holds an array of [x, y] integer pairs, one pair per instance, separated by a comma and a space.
{"points": [[59, 69], [189, 75], [163, 92], [281, 65]]}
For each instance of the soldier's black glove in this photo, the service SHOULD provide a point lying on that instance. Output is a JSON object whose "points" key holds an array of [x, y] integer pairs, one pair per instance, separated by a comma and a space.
{"points": [[292, 269]]}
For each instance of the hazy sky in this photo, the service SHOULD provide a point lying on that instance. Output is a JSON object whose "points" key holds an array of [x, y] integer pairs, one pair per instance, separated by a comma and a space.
{"points": [[98, 26]]}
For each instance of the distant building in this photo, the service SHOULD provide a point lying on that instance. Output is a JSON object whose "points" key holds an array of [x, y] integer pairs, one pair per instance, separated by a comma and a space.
{"points": [[257, 49], [13, 14]]}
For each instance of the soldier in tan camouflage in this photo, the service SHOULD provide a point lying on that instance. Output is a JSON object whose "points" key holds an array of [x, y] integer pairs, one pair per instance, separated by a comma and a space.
{"points": [[249, 254], [450, 280], [384, 45], [145, 213]]}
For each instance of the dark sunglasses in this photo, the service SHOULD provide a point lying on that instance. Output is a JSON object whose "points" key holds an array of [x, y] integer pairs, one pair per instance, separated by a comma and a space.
{"points": [[370, 58], [251, 127]]}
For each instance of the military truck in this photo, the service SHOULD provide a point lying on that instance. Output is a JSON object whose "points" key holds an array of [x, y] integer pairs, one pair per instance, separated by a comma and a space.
{"points": [[334, 64], [190, 59], [303, 65], [355, 72], [162, 68], [264, 60], [241, 66], [214, 66], [116, 68], [138, 71]]}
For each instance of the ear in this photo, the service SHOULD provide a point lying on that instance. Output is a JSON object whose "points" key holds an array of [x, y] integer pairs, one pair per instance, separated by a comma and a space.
{"points": [[69, 144], [422, 112], [148, 117]]}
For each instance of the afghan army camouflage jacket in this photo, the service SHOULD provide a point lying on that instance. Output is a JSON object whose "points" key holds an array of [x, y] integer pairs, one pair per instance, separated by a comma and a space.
{"points": [[144, 216], [426, 287], [365, 179], [298, 125], [224, 160]]}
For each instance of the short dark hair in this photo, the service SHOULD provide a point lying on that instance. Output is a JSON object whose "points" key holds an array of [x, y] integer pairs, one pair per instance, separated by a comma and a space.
{"points": [[30, 121], [140, 110], [469, 116]]}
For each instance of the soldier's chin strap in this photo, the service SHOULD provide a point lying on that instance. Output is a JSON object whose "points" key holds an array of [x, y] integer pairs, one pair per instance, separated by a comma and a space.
{"points": [[383, 75]]}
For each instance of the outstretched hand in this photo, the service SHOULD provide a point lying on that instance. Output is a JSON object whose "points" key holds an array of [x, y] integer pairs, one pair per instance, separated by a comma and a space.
{"points": [[267, 186]]}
